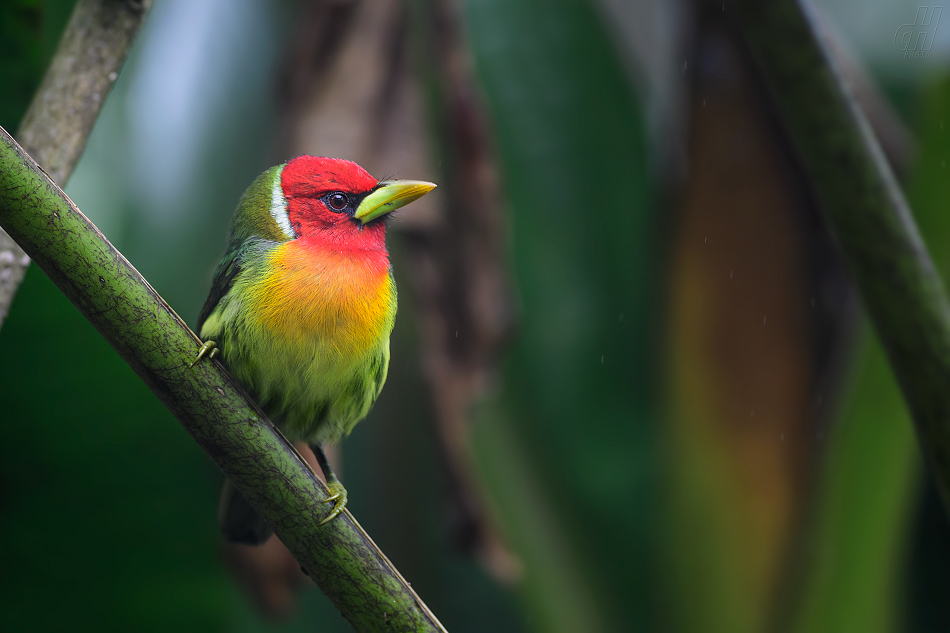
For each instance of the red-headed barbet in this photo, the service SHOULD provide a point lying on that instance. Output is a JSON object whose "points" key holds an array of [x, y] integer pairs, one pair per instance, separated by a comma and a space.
{"points": [[302, 305]]}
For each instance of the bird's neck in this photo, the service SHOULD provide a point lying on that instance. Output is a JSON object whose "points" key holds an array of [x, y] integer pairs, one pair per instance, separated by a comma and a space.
{"points": [[340, 236], [364, 256]]}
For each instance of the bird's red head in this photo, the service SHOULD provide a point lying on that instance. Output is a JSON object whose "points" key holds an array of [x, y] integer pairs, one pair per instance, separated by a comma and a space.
{"points": [[323, 195]]}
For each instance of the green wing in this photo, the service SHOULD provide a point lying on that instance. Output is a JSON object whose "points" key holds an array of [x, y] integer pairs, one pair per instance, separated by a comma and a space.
{"points": [[224, 276], [228, 270]]}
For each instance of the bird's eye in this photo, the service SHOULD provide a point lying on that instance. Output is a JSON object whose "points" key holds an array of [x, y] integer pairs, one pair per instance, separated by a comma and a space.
{"points": [[337, 201]]}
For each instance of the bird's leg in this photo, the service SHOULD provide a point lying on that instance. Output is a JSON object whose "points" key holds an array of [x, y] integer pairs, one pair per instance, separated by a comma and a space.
{"points": [[337, 491], [209, 349]]}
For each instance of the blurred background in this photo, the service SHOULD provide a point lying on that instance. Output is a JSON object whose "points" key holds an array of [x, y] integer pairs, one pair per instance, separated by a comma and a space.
{"points": [[632, 388]]}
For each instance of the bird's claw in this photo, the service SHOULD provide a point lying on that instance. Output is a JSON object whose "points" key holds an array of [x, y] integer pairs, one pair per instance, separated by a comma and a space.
{"points": [[338, 498], [209, 349]]}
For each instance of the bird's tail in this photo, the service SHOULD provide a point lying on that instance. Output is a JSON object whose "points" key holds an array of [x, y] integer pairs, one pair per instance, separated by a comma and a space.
{"points": [[239, 522]]}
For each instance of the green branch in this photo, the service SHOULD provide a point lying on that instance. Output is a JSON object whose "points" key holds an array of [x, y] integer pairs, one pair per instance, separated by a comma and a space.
{"points": [[341, 559], [67, 103], [866, 211]]}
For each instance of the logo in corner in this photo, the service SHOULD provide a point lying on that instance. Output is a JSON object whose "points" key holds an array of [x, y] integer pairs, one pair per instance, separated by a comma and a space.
{"points": [[916, 39]]}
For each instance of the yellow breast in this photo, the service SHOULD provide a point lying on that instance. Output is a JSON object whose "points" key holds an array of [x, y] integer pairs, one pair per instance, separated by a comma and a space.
{"points": [[344, 299]]}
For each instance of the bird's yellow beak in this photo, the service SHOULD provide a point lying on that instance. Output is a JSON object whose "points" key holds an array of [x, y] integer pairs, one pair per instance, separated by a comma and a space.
{"points": [[389, 196]]}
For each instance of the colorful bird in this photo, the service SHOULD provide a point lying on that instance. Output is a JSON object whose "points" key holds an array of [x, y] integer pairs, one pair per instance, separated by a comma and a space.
{"points": [[302, 306]]}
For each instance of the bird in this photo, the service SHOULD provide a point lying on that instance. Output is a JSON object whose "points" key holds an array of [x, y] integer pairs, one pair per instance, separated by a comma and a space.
{"points": [[301, 309]]}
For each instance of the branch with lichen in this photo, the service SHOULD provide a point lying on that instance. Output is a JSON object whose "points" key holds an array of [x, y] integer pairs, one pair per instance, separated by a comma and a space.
{"points": [[59, 121], [339, 556], [865, 209]]}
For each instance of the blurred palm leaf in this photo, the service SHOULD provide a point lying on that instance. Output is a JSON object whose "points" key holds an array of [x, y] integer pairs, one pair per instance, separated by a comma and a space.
{"points": [[568, 446]]}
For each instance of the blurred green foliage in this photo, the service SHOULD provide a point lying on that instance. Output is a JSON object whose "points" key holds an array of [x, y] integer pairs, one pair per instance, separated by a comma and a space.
{"points": [[569, 444], [855, 550], [29, 33], [929, 190]]}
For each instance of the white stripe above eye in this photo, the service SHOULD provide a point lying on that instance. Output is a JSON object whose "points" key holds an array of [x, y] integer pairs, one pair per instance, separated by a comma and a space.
{"points": [[278, 207]]}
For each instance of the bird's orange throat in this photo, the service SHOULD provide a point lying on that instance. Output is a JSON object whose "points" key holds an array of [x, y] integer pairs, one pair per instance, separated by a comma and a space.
{"points": [[341, 295]]}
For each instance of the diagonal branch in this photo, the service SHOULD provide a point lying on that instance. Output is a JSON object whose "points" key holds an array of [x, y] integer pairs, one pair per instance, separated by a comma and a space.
{"points": [[340, 557], [65, 107], [866, 211]]}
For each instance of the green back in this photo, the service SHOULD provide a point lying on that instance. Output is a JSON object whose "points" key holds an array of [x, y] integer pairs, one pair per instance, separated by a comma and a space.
{"points": [[253, 216]]}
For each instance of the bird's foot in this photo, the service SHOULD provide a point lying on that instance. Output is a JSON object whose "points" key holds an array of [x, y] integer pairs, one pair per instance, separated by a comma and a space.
{"points": [[337, 497], [209, 349]]}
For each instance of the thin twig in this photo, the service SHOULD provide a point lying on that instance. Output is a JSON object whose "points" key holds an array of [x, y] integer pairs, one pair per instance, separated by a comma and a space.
{"points": [[59, 121]]}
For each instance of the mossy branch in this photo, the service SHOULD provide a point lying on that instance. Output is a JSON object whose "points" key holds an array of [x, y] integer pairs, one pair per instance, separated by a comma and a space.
{"points": [[59, 121], [866, 210], [341, 559]]}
